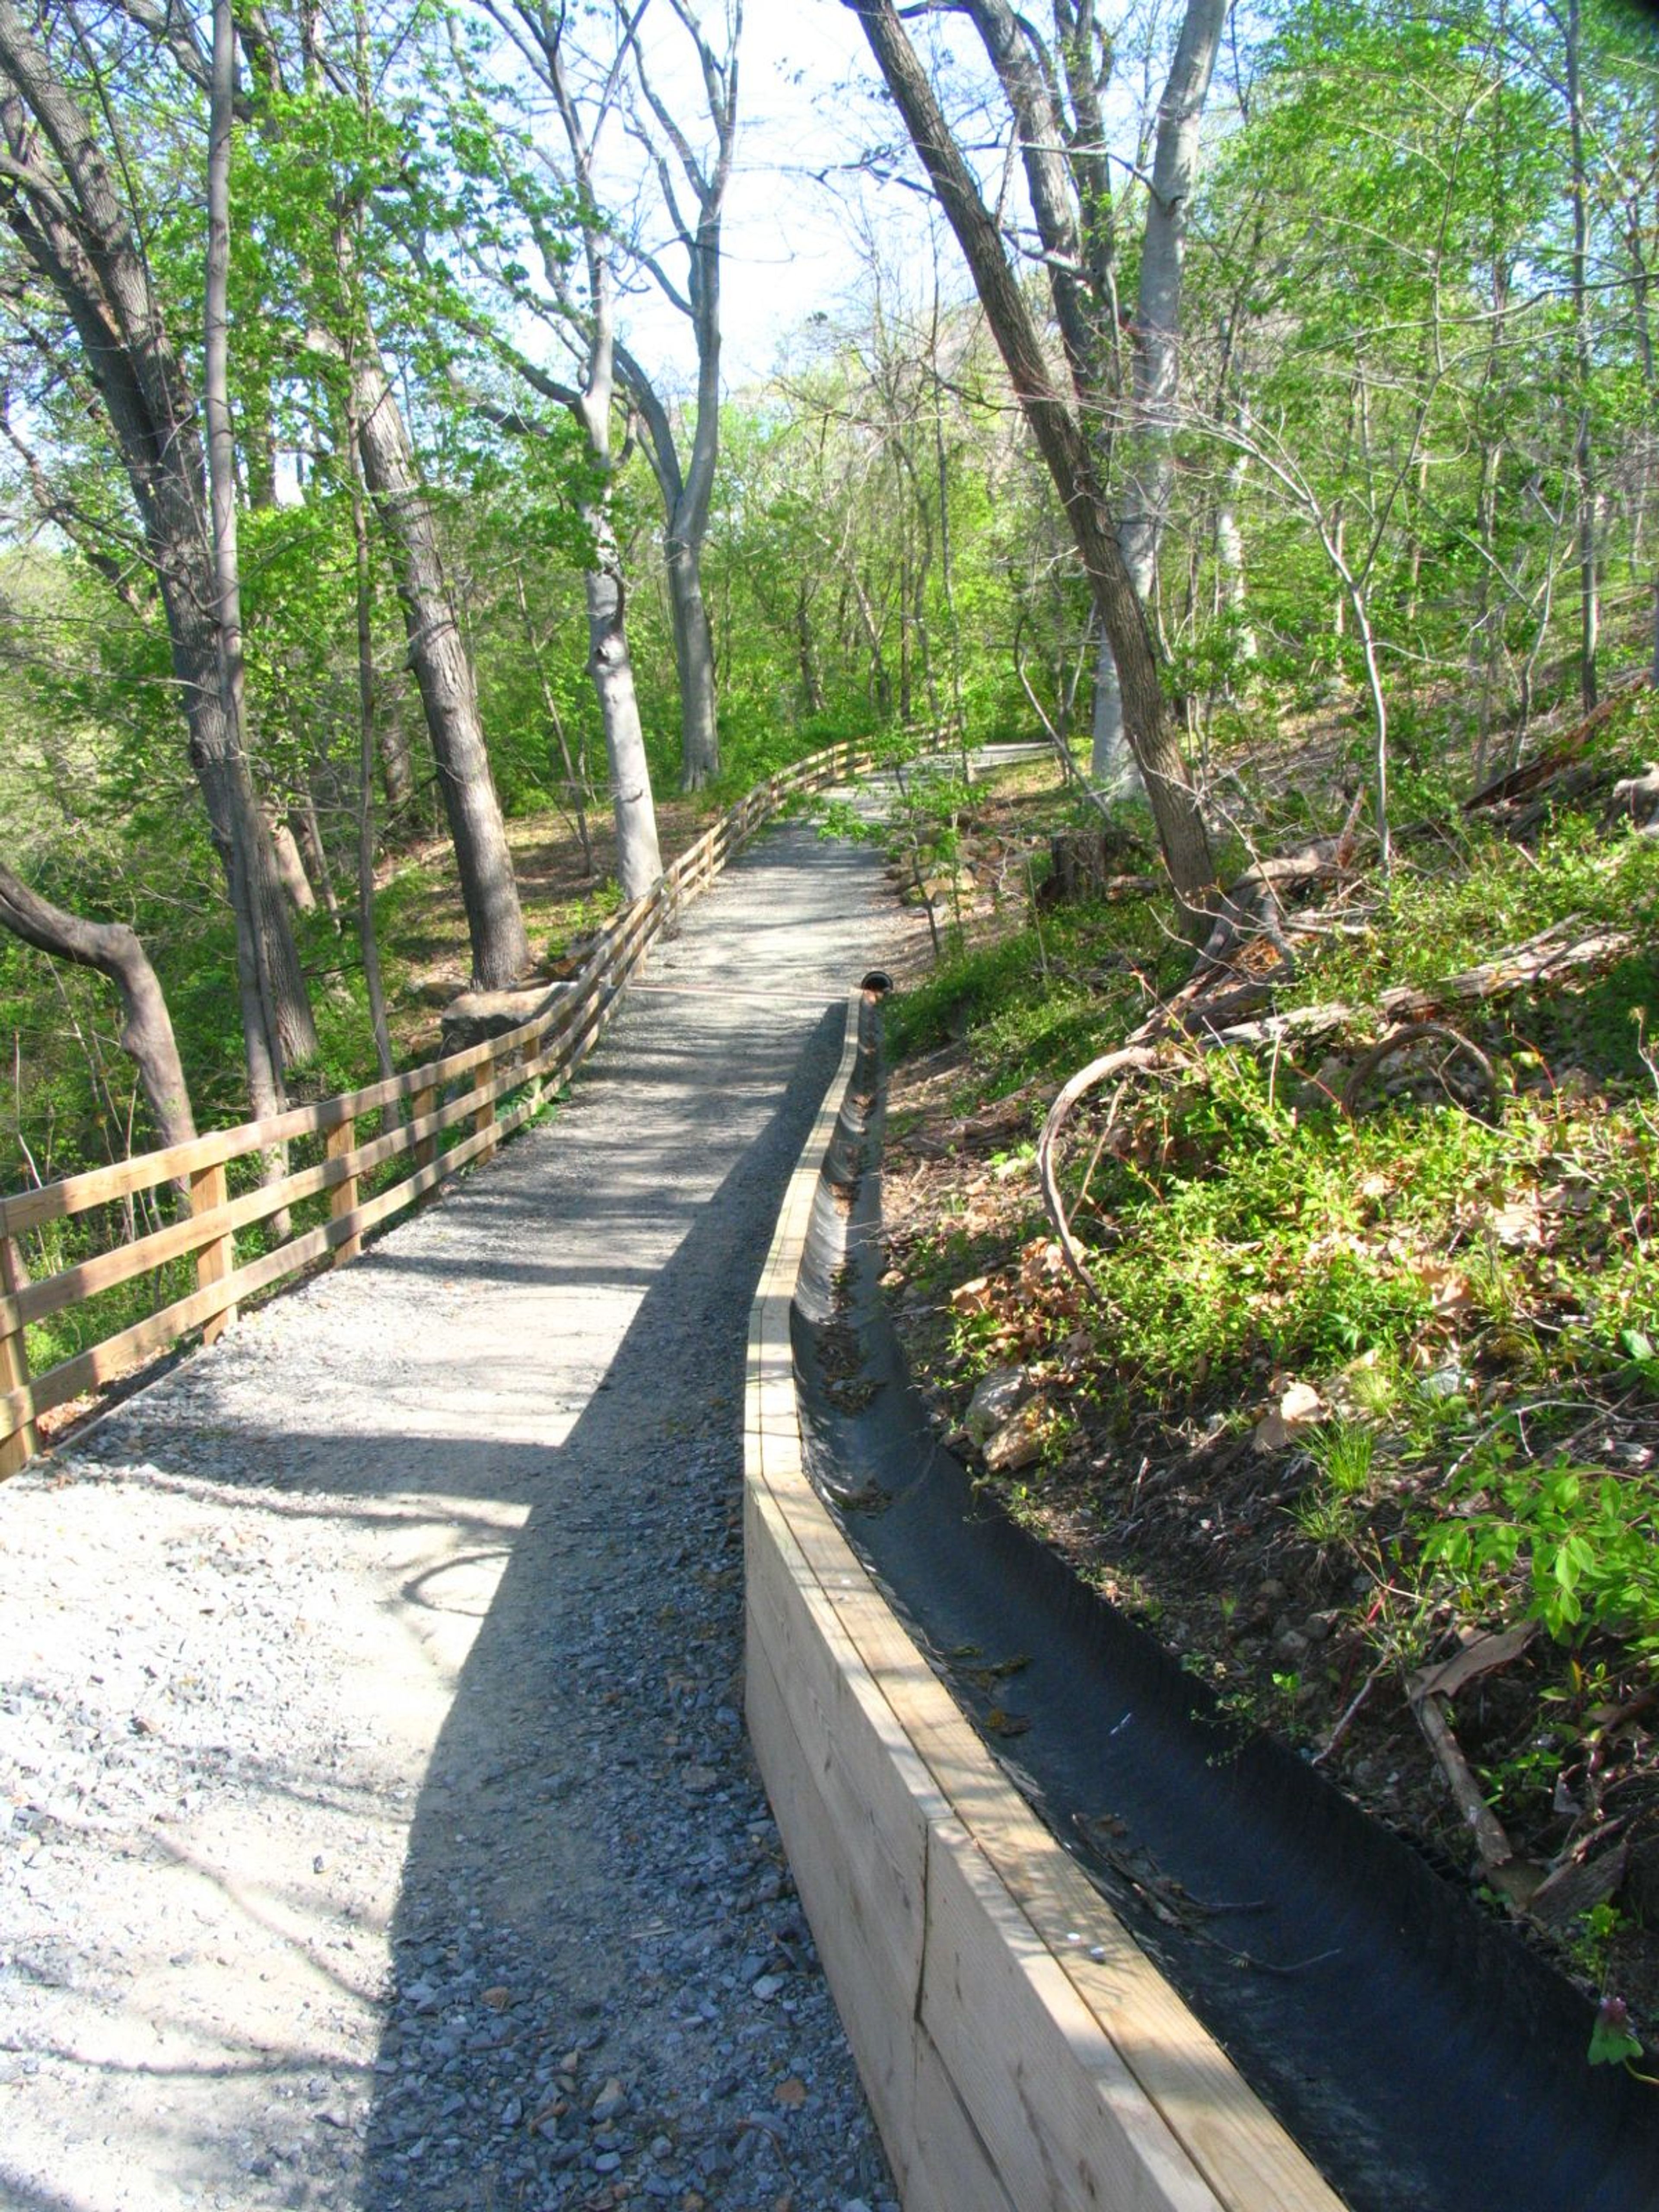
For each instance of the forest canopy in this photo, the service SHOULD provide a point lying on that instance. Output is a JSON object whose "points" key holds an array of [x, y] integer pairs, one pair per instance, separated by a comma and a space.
{"points": [[379, 502]]}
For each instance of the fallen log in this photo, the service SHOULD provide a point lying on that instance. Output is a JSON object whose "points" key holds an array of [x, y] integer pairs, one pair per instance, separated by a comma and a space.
{"points": [[1546, 959], [1516, 782], [1553, 954]]}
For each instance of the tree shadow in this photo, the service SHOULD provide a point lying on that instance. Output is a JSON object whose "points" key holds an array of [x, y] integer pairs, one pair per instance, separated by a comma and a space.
{"points": [[611, 1648]]}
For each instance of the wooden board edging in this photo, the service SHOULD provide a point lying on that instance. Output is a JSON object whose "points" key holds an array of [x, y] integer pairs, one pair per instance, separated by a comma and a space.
{"points": [[1020, 2051]]}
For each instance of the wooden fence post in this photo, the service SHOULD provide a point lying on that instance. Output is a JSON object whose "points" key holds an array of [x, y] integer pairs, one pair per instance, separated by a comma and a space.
{"points": [[338, 1144], [483, 1116], [422, 1102], [21, 1446], [209, 1191]]}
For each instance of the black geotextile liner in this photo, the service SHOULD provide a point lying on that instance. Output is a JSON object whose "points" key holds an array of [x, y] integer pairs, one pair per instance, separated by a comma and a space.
{"points": [[1424, 2057]]}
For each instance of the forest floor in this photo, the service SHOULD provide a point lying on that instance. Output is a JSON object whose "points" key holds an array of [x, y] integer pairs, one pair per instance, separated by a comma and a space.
{"points": [[423, 927], [1359, 1413]]}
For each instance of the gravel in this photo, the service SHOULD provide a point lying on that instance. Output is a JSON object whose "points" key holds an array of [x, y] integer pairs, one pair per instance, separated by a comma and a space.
{"points": [[377, 1828]]}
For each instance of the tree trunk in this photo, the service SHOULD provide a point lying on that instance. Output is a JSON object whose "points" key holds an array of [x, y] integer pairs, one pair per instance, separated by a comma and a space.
{"points": [[366, 935], [291, 868], [1230, 558], [396, 760], [811, 683], [115, 951], [686, 493], [1583, 455], [308, 833], [1112, 767], [1157, 355], [278, 1002], [639, 860], [694, 656], [575, 780], [81, 241], [501, 949], [1064, 450]]}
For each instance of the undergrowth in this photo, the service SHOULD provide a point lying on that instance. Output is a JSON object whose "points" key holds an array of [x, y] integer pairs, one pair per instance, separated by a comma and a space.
{"points": [[1435, 1331]]}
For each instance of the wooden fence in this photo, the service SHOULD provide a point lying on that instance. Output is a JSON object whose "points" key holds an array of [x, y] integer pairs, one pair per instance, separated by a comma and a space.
{"points": [[430, 1121]]}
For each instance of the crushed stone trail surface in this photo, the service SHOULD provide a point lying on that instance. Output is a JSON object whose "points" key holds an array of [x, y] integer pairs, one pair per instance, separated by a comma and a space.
{"points": [[377, 1829]]}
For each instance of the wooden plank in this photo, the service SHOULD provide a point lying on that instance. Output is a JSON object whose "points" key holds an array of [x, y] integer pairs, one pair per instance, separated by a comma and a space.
{"points": [[77, 1193], [1247, 2157], [879, 1795], [340, 1144], [118, 1355], [869, 1984], [88, 1277], [1069, 2126], [956, 2172], [1080, 2092], [21, 1446], [217, 1261]]}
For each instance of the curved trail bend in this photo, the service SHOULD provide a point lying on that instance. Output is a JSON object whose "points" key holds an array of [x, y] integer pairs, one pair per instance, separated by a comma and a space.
{"points": [[378, 1831]]}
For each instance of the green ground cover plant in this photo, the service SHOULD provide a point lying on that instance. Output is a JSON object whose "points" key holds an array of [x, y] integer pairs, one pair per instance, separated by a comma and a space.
{"points": [[1351, 1385]]}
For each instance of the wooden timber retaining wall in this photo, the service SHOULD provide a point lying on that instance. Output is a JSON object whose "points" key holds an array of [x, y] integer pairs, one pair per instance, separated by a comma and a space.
{"points": [[505, 1081], [1020, 2052]]}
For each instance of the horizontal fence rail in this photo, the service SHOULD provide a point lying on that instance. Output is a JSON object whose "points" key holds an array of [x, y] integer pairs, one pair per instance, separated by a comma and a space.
{"points": [[474, 1099]]}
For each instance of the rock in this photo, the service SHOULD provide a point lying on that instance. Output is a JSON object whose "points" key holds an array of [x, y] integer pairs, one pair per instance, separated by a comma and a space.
{"points": [[576, 956], [610, 2100], [1018, 1443], [477, 1016], [1448, 1382], [1638, 795], [767, 1987], [995, 1401]]}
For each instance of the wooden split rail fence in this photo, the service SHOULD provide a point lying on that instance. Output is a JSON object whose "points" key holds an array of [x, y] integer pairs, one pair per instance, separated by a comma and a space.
{"points": [[485, 1092]]}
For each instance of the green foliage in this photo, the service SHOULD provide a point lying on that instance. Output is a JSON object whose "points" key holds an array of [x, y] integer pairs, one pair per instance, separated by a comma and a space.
{"points": [[1580, 1541]]}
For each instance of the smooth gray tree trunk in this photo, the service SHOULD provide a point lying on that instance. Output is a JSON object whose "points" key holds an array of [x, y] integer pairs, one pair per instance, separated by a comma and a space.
{"points": [[694, 659], [292, 868], [1148, 478], [686, 490], [638, 859], [1065, 445]]}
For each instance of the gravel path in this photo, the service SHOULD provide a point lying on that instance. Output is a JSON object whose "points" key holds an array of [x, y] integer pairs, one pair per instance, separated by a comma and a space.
{"points": [[378, 1829]]}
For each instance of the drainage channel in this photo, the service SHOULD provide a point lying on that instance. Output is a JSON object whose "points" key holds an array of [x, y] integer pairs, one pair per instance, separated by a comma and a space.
{"points": [[1421, 2055]]}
